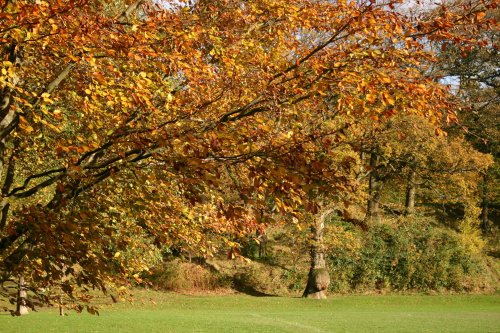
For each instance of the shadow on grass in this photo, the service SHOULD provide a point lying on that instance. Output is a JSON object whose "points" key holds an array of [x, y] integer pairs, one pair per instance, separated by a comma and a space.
{"points": [[241, 286]]}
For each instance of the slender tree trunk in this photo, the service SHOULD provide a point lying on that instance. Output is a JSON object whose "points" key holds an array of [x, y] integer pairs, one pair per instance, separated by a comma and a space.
{"points": [[262, 237], [64, 279], [410, 194], [61, 306], [21, 308], [485, 222], [7, 124], [362, 169], [374, 191], [61, 300], [318, 279]]}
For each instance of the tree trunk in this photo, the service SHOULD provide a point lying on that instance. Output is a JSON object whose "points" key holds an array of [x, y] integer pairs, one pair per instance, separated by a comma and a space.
{"points": [[485, 222], [61, 310], [262, 237], [319, 279], [362, 169], [61, 303], [410, 194], [21, 308], [374, 191]]}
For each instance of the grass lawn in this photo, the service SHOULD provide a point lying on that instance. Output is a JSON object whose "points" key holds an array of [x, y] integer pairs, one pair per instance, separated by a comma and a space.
{"points": [[239, 313]]}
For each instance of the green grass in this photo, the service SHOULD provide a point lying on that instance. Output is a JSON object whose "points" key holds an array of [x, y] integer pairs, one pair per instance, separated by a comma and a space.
{"points": [[237, 313]]}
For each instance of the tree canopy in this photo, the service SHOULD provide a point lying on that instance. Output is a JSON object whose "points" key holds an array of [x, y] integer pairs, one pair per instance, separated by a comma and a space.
{"points": [[176, 121]]}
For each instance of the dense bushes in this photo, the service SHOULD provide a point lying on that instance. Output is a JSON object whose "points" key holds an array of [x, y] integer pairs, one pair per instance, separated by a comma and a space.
{"points": [[407, 255]]}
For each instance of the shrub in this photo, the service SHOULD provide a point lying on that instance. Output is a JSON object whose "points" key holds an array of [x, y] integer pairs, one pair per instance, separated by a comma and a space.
{"points": [[408, 255]]}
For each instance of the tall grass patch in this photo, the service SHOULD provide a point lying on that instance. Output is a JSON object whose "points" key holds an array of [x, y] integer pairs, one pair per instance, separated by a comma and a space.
{"points": [[176, 275]]}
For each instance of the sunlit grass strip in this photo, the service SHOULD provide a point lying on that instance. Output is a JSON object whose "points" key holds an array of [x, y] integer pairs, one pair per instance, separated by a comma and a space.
{"points": [[156, 312]]}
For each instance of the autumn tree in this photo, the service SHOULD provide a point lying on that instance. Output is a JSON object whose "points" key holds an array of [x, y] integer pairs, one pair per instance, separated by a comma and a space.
{"points": [[412, 155], [127, 123], [474, 74], [403, 155], [379, 150]]}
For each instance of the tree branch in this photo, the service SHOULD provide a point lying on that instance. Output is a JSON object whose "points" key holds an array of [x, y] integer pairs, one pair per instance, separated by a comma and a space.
{"points": [[57, 81], [125, 15], [30, 178]]}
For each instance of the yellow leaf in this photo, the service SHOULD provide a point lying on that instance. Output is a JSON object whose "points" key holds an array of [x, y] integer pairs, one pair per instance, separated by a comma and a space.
{"points": [[480, 16], [386, 79], [371, 98], [388, 99]]}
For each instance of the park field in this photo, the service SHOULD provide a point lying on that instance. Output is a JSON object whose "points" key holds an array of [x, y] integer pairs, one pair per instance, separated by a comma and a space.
{"points": [[169, 312]]}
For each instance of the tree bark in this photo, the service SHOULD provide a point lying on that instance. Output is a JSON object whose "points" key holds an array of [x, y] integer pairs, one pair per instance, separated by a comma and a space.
{"points": [[21, 308], [262, 237], [318, 279], [485, 222], [374, 191], [410, 194]]}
